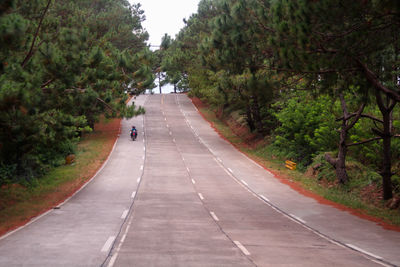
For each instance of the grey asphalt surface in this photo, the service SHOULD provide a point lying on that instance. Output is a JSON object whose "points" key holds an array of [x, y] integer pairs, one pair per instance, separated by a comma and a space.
{"points": [[203, 203], [81, 231], [182, 196]]}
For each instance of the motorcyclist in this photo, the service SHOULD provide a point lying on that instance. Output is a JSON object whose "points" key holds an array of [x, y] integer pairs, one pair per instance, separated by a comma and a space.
{"points": [[133, 132]]}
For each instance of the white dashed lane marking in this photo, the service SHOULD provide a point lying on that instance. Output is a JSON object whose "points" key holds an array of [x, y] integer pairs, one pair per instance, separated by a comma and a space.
{"points": [[365, 252], [214, 216], [124, 214], [108, 244], [264, 198], [242, 248], [297, 218], [201, 196]]}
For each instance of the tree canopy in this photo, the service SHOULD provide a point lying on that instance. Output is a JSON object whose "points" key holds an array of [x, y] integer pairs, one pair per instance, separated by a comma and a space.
{"points": [[63, 64], [289, 66]]}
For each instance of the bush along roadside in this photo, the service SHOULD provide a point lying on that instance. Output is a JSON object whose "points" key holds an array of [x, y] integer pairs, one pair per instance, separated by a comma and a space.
{"points": [[362, 196], [19, 203]]}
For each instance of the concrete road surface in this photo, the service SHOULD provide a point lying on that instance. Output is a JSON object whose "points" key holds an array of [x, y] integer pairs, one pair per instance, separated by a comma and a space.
{"points": [[182, 196]]}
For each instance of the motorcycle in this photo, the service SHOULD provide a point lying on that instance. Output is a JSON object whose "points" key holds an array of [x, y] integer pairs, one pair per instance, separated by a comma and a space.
{"points": [[133, 135]]}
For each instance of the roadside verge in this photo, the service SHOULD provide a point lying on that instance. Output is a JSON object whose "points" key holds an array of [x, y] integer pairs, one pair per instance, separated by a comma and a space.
{"points": [[22, 204], [298, 181]]}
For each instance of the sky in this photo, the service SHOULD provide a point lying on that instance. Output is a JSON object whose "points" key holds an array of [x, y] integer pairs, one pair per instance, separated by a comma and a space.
{"points": [[165, 16]]}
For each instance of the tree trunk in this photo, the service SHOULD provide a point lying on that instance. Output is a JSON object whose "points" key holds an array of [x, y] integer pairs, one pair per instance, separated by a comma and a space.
{"points": [[249, 119], [386, 172], [257, 117], [340, 162], [175, 88], [341, 172]]}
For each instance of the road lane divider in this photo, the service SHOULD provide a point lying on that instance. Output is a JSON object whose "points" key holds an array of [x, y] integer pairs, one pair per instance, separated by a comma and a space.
{"points": [[201, 196], [264, 198], [244, 182], [124, 214], [193, 181], [242, 248], [364, 252], [297, 218], [106, 247], [214, 216], [133, 194], [368, 255]]}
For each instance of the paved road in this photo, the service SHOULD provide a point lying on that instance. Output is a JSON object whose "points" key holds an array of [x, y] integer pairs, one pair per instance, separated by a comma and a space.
{"points": [[198, 202], [82, 231]]}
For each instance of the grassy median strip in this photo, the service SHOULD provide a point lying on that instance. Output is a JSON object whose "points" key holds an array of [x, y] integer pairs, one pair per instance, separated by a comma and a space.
{"points": [[340, 197], [19, 204]]}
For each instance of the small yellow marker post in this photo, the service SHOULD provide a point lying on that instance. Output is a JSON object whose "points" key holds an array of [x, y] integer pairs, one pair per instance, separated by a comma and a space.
{"points": [[290, 165]]}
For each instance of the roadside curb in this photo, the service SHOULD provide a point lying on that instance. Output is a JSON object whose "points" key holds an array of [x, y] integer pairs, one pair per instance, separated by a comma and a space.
{"points": [[68, 197], [298, 188]]}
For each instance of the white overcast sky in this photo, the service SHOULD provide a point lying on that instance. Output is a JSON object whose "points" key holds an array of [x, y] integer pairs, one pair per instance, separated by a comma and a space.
{"points": [[165, 16]]}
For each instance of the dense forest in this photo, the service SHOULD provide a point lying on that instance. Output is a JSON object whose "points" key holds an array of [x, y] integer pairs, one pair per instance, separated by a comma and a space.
{"points": [[62, 65], [319, 79]]}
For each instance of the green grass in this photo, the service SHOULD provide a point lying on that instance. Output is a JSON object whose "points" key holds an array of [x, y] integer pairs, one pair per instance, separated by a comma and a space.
{"points": [[348, 195], [20, 203]]}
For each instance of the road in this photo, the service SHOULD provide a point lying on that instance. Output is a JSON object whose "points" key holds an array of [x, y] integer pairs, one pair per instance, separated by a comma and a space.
{"points": [[182, 196]]}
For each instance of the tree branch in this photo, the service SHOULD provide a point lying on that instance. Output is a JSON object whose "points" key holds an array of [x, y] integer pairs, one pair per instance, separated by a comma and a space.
{"points": [[105, 104], [364, 142], [31, 52], [371, 77]]}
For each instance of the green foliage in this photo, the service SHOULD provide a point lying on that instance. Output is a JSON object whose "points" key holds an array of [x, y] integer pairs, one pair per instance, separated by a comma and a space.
{"points": [[307, 127], [250, 57], [61, 67]]}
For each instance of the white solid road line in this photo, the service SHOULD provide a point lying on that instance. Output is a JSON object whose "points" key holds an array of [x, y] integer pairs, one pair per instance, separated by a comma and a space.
{"points": [[229, 169], [214, 216], [365, 252], [108, 244], [112, 261], [242, 248], [124, 214], [201, 196], [297, 218], [263, 197], [244, 182]]}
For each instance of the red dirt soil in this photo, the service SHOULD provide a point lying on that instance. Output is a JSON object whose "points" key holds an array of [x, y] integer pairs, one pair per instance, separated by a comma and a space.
{"points": [[109, 132], [294, 185]]}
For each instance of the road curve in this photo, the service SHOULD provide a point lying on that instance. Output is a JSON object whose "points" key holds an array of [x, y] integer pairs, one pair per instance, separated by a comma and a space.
{"points": [[182, 196], [202, 203], [82, 231]]}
